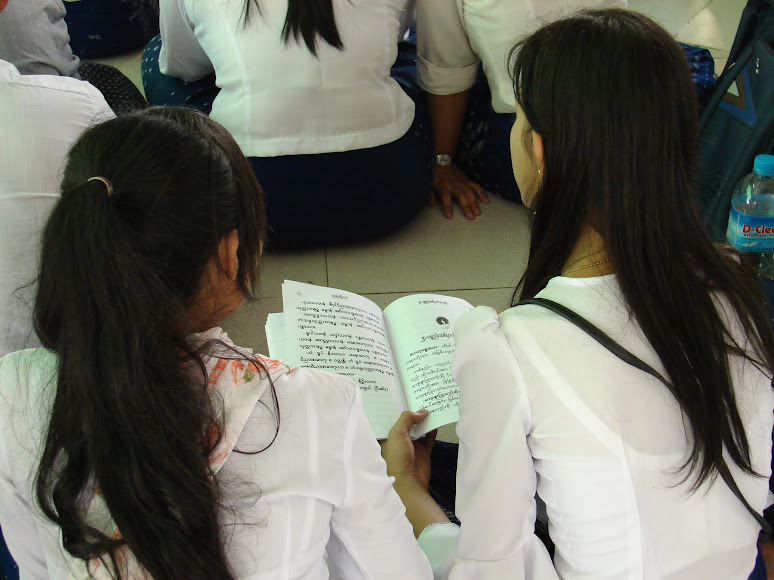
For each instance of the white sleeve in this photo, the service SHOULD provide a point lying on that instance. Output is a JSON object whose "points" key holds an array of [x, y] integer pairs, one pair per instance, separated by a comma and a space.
{"points": [[446, 63], [181, 55], [495, 476], [19, 523], [370, 535], [439, 543], [101, 111]]}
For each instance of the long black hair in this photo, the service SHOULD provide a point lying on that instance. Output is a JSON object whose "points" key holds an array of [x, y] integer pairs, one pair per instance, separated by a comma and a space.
{"points": [[305, 19], [133, 416], [610, 93]]}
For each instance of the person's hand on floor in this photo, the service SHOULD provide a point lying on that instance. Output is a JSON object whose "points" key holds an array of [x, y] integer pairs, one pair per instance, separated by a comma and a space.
{"points": [[451, 183]]}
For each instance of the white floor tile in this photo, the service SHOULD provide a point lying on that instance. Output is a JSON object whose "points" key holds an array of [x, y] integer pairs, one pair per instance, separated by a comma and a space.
{"points": [[129, 64], [246, 326], [436, 254], [448, 433], [715, 26], [308, 266], [720, 61], [673, 15]]}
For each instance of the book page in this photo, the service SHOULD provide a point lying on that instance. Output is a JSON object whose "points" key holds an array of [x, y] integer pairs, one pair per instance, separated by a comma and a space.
{"points": [[344, 333], [421, 330], [275, 336]]}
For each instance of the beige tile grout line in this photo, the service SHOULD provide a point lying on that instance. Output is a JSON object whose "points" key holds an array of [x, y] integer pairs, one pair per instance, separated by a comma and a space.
{"points": [[723, 51]]}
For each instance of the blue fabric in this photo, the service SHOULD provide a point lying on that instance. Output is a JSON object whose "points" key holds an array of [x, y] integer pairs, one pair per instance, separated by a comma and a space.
{"points": [[344, 197], [100, 28], [759, 572], [443, 473], [163, 90], [702, 67], [9, 569]]}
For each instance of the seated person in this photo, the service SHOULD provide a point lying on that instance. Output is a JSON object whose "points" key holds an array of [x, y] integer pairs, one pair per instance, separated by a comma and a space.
{"points": [[632, 469], [35, 40], [41, 116], [141, 442], [331, 136], [472, 112]]}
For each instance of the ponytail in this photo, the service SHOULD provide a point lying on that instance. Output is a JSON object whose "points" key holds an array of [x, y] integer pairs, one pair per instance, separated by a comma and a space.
{"points": [[133, 419], [306, 19]]}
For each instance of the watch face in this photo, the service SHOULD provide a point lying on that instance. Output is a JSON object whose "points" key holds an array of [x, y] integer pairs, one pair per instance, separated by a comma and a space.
{"points": [[443, 160]]}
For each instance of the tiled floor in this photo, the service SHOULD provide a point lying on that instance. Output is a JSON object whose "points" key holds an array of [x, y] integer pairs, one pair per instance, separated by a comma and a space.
{"points": [[480, 260]]}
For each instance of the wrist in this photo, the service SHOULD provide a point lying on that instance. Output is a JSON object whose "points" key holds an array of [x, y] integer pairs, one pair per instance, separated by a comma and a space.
{"points": [[421, 508], [442, 160], [407, 484]]}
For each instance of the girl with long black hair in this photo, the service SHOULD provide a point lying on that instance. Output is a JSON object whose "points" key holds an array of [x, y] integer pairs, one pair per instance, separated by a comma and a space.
{"points": [[141, 442], [630, 467], [309, 91]]}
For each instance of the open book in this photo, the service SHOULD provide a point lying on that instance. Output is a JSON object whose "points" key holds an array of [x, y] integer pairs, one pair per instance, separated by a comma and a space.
{"points": [[400, 358]]}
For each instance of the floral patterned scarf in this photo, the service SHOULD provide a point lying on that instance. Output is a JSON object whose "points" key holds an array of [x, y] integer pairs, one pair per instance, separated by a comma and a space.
{"points": [[240, 383]]}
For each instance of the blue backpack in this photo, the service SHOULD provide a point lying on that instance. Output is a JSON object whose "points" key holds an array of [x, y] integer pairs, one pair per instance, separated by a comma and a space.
{"points": [[738, 122]]}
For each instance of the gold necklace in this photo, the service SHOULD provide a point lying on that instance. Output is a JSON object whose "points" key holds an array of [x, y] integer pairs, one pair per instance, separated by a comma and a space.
{"points": [[584, 267]]}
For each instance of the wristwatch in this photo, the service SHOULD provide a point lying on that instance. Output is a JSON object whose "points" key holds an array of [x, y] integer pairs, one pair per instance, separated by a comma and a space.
{"points": [[443, 160]]}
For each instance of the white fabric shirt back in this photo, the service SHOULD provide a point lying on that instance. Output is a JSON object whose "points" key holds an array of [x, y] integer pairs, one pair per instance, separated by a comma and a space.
{"points": [[279, 99], [545, 407], [40, 118], [453, 36], [318, 496]]}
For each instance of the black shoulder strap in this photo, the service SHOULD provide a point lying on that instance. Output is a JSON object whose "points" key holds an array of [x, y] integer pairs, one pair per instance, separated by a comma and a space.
{"points": [[757, 19], [633, 360]]}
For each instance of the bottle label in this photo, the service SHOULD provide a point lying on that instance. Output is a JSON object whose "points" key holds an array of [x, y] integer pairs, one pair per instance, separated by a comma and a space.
{"points": [[750, 233]]}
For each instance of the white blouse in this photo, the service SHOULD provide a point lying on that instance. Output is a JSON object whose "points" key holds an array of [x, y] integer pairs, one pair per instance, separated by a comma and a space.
{"points": [[40, 118], [278, 99], [318, 494], [453, 36], [544, 407]]}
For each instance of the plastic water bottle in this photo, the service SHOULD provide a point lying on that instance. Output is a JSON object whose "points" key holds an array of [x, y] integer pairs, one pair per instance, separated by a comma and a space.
{"points": [[751, 221]]}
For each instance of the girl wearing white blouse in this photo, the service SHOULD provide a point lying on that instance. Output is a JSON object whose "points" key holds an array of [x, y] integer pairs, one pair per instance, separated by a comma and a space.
{"points": [[604, 154], [305, 88], [141, 442]]}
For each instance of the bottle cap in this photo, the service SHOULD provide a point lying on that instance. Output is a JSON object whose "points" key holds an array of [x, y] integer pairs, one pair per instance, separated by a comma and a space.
{"points": [[764, 165]]}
